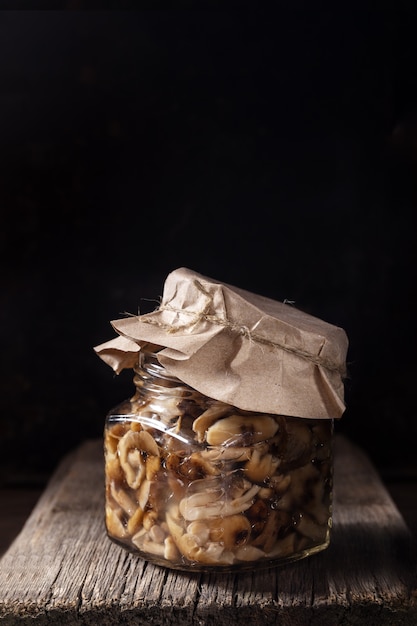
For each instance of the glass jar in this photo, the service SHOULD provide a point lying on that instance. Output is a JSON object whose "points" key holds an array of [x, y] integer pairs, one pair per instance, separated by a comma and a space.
{"points": [[197, 484]]}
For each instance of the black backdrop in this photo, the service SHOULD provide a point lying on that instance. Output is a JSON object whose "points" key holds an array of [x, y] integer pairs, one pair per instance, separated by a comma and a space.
{"points": [[276, 152]]}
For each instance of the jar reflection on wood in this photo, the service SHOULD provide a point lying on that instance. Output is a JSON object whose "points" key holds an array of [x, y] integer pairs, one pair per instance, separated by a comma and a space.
{"points": [[196, 484]]}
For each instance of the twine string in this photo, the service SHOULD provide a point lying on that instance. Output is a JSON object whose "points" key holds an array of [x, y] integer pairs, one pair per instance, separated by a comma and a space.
{"points": [[244, 331]]}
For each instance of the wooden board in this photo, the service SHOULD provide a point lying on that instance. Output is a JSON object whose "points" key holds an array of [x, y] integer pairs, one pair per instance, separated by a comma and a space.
{"points": [[62, 568]]}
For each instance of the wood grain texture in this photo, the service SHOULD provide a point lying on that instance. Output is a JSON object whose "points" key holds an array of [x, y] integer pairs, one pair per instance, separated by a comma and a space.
{"points": [[62, 568]]}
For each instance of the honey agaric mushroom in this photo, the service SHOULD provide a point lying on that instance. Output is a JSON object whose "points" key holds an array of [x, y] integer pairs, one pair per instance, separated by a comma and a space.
{"points": [[133, 449]]}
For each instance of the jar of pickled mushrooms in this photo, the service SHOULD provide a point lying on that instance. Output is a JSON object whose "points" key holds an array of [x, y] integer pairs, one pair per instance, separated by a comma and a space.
{"points": [[207, 481]]}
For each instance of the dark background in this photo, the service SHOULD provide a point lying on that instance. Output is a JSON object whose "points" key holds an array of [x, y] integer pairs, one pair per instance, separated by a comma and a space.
{"points": [[276, 152]]}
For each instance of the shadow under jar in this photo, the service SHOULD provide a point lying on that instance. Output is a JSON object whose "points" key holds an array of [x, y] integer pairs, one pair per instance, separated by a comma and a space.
{"points": [[196, 484]]}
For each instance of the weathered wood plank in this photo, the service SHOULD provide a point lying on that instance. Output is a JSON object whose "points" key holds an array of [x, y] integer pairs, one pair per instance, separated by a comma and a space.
{"points": [[62, 569]]}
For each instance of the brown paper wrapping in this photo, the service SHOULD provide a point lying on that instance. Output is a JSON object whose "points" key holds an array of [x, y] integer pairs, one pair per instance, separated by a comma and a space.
{"points": [[238, 347]]}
